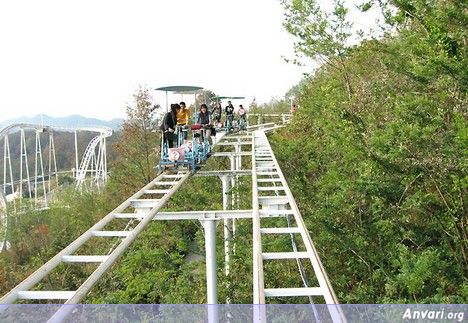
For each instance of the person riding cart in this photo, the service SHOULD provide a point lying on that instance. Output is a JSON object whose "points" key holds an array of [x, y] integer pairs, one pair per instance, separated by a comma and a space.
{"points": [[229, 111], [242, 117], [183, 118], [168, 125], [204, 119], [216, 114]]}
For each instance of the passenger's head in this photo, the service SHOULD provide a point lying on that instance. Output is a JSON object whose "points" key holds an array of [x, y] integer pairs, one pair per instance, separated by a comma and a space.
{"points": [[175, 107], [203, 108], [182, 105], [240, 106], [229, 103]]}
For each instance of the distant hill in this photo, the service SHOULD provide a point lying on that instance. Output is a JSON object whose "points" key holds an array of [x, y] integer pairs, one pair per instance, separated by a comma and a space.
{"points": [[70, 121]]}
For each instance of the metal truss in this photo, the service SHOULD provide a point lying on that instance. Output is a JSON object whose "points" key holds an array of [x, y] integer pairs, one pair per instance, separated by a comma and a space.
{"points": [[270, 194], [242, 172], [142, 206], [215, 215], [285, 117], [92, 162], [44, 176], [271, 197]]}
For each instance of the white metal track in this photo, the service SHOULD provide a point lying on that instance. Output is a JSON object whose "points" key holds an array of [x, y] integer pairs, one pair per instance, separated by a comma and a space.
{"points": [[141, 207], [89, 154], [271, 195], [164, 186]]}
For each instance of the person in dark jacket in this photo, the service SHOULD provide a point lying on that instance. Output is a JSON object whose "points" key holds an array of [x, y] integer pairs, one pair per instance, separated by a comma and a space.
{"points": [[204, 118], [169, 123], [216, 113], [229, 110]]}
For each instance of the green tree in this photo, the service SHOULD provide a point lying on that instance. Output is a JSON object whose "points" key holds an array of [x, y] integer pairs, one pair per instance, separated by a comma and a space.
{"points": [[386, 167], [136, 147], [321, 35], [206, 96]]}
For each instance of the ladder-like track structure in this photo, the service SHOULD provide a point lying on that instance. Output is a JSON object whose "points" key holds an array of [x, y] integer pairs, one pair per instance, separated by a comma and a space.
{"points": [[271, 198], [268, 178], [142, 206]]}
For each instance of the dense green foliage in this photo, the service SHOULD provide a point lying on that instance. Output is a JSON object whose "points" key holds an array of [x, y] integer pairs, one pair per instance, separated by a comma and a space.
{"points": [[36, 236], [166, 263], [376, 157], [136, 147], [381, 172]]}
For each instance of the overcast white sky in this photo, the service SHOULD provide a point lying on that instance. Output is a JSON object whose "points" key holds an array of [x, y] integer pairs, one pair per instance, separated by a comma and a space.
{"points": [[88, 57]]}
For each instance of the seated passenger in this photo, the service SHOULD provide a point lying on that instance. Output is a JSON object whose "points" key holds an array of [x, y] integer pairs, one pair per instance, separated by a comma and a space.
{"points": [[216, 113], [242, 117], [242, 112], [229, 110], [168, 125], [183, 117], [204, 118]]}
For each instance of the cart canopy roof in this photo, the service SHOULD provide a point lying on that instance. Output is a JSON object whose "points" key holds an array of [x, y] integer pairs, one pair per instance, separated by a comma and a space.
{"points": [[229, 97], [179, 88]]}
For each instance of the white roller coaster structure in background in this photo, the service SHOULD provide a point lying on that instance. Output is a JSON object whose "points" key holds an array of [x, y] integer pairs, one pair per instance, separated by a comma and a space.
{"points": [[39, 182]]}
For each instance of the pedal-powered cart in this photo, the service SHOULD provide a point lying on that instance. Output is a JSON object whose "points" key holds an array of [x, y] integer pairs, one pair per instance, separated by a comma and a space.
{"points": [[182, 154], [229, 124], [190, 154], [201, 145], [181, 89], [181, 132]]}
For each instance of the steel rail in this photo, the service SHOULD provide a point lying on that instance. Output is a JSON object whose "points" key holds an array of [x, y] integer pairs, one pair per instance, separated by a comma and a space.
{"points": [[324, 282], [258, 279], [6, 129], [44, 270], [267, 176]]}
